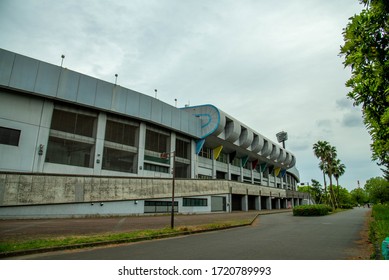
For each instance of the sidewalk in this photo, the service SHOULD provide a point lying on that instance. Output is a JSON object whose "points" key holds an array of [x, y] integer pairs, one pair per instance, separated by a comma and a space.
{"points": [[44, 228]]}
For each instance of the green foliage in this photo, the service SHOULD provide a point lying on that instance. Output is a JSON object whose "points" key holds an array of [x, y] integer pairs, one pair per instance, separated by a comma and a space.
{"points": [[346, 206], [377, 189], [379, 227], [330, 166], [359, 196], [311, 210], [366, 51]]}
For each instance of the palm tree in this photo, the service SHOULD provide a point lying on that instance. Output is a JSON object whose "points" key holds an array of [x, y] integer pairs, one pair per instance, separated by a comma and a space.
{"points": [[330, 159], [327, 154], [320, 149], [339, 170]]}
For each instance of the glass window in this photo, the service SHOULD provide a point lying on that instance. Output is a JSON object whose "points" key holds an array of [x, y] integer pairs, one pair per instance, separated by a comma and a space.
{"points": [[182, 149], [195, 202], [121, 133], [9, 136], [69, 152], [222, 158], [75, 123], [156, 168], [156, 142], [205, 152], [119, 160], [236, 162]]}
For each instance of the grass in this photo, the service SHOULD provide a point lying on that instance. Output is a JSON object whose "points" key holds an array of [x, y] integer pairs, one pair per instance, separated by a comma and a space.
{"points": [[48, 243], [379, 227]]}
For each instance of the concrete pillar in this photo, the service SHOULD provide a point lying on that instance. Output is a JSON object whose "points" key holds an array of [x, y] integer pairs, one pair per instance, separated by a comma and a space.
{"points": [[268, 202], [245, 203], [258, 203], [278, 203], [213, 166], [43, 136], [99, 145], [229, 203], [193, 166], [141, 148]]}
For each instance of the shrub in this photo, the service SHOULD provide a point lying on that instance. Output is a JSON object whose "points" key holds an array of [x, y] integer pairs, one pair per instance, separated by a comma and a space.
{"points": [[311, 210], [346, 206]]}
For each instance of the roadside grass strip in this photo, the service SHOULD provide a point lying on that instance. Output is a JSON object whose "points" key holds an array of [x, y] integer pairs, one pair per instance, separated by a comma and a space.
{"points": [[46, 244]]}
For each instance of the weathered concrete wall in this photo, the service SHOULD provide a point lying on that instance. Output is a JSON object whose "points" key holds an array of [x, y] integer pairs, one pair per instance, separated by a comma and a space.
{"points": [[33, 189]]}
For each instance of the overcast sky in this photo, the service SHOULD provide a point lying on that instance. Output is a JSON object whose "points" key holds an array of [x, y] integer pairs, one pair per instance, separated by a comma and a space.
{"points": [[273, 65]]}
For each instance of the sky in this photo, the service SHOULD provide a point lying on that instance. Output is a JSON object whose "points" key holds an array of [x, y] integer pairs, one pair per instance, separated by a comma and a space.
{"points": [[273, 65]]}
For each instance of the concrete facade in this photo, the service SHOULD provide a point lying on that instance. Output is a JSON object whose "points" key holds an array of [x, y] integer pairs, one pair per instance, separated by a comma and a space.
{"points": [[69, 142]]}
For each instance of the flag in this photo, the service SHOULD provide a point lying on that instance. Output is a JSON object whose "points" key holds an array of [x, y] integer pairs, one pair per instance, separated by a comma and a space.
{"points": [[199, 145], [254, 164], [217, 151], [244, 160]]}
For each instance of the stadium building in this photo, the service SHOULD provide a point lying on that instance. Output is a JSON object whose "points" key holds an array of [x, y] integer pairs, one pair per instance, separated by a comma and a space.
{"points": [[74, 145]]}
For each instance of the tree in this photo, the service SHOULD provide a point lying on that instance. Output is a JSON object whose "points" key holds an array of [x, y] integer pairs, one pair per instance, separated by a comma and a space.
{"points": [[377, 189], [315, 190], [327, 155], [366, 51], [320, 149], [359, 196], [339, 169]]}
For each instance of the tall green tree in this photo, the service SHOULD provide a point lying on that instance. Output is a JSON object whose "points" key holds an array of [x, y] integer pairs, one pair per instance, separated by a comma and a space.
{"points": [[359, 196], [377, 189], [339, 169], [327, 155], [366, 51], [320, 149]]}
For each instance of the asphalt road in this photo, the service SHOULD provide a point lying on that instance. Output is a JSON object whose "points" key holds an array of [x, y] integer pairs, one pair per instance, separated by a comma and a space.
{"points": [[272, 237]]}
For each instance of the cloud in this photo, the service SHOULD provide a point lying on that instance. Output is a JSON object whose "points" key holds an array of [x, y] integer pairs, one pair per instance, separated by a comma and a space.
{"points": [[273, 65], [352, 119]]}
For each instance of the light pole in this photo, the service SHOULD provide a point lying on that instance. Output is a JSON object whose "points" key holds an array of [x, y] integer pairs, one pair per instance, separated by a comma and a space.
{"points": [[62, 56], [282, 137], [173, 187]]}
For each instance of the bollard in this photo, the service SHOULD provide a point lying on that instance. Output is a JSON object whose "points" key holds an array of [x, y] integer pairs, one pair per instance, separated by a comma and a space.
{"points": [[385, 248]]}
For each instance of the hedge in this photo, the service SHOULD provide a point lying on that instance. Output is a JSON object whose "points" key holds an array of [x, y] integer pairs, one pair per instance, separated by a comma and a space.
{"points": [[311, 210]]}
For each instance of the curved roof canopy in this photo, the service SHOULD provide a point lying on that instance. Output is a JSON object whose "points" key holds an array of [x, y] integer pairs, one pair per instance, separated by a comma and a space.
{"points": [[219, 128]]}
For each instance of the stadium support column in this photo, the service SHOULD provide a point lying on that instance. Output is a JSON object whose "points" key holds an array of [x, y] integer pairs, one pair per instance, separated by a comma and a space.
{"points": [[99, 147], [43, 135], [258, 205], [141, 147], [193, 161]]}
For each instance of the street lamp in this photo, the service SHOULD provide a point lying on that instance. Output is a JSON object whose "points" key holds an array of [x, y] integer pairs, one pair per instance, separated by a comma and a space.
{"points": [[282, 137]]}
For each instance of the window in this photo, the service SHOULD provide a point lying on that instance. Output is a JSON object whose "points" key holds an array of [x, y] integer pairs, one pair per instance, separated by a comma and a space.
{"points": [[236, 162], [156, 168], [72, 137], [9, 136], [195, 202], [69, 152], [75, 123], [204, 177], [121, 133], [205, 152], [119, 160], [182, 149], [160, 206], [222, 158], [156, 141]]}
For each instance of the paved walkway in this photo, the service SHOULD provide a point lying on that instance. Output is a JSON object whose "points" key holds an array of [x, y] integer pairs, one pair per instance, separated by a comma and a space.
{"points": [[40, 228]]}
